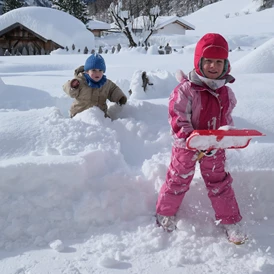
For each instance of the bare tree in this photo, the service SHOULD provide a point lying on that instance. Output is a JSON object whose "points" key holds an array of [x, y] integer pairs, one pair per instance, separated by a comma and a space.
{"points": [[125, 22], [153, 15], [99, 9]]}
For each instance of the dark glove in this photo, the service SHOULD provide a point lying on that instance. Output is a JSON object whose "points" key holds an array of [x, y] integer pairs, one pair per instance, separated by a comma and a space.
{"points": [[74, 83], [209, 153], [122, 100]]}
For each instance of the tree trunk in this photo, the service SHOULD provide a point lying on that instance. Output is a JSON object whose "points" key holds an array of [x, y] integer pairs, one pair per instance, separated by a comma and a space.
{"points": [[126, 30], [151, 31], [129, 37]]}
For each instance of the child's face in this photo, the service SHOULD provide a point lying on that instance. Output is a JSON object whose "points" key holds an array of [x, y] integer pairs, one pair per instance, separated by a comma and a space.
{"points": [[213, 68], [95, 74]]}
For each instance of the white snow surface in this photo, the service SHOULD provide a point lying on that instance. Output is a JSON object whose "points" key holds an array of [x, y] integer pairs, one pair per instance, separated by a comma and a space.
{"points": [[252, 64], [78, 195], [227, 17]]}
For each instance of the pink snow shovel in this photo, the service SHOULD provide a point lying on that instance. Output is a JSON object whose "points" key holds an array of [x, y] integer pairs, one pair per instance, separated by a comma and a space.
{"points": [[207, 141]]}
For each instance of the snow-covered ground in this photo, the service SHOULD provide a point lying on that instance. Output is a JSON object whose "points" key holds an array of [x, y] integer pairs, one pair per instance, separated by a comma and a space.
{"points": [[78, 195]]}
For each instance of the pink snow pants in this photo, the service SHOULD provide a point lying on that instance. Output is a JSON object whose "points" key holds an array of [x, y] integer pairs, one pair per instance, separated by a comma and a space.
{"points": [[217, 180]]}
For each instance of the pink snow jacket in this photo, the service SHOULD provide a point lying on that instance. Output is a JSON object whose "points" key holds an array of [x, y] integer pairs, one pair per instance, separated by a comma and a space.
{"points": [[193, 105]]}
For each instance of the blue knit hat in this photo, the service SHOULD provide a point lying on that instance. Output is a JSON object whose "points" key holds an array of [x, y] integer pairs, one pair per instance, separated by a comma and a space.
{"points": [[95, 61]]}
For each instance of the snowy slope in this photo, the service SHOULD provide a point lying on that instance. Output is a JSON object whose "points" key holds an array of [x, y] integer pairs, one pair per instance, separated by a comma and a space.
{"points": [[227, 17]]}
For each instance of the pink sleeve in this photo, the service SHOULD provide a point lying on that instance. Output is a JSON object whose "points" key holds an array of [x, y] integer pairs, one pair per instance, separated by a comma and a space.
{"points": [[180, 110]]}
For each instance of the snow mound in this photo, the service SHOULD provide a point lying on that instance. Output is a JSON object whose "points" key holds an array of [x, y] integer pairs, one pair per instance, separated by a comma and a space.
{"points": [[81, 162], [57, 245], [156, 80], [23, 98], [260, 60]]}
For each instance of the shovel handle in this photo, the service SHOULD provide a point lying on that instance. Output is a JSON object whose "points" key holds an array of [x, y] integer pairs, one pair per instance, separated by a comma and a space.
{"points": [[200, 155], [208, 153]]}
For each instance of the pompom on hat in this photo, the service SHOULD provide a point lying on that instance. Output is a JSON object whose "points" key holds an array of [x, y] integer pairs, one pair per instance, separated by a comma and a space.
{"points": [[211, 45], [95, 61]]}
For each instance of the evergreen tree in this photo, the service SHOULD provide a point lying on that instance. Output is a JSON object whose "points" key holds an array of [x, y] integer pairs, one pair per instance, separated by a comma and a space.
{"points": [[76, 8], [266, 4], [99, 8], [11, 5]]}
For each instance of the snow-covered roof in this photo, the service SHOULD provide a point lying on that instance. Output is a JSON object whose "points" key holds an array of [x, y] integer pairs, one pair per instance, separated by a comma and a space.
{"points": [[113, 25], [52, 24], [162, 21], [95, 24]]}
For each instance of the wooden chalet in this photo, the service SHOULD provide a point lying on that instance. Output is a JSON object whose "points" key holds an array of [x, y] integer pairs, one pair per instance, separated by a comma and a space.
{"points": [[20, 40], [98, 27]]}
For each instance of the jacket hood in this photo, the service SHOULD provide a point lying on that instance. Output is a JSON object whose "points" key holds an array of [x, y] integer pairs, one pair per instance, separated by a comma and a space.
{"points": [[78, 71], [196, 79], [211, 45]]}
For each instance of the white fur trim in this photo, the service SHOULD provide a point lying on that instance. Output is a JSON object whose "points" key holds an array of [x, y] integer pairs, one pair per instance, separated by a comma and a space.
{"points": [[180, 75]]}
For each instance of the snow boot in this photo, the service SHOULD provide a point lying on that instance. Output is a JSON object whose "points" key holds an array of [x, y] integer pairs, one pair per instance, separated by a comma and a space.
{"points": [[166, 222], [236, 233]]}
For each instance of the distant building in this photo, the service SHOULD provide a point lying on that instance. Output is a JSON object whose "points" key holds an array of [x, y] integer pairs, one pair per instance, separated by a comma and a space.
{"points": [[98, 27], [40, 30], [166, 25], [17, 38], [171, 25]]}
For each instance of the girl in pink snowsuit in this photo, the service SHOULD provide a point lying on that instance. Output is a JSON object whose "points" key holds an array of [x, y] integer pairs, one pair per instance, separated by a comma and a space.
{"points": [[201, 101]]}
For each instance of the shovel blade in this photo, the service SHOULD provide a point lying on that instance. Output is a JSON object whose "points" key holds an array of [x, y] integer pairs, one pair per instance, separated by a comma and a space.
{"points": [[221, 139]]}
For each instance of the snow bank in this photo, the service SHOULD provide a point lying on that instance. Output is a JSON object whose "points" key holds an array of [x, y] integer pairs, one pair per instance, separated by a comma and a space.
{"points": [[260, 60], [154, 89], [72, 163]]}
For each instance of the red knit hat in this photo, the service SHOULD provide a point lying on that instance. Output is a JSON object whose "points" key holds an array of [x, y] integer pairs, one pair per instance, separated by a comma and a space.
{"points": [[211, 45]]}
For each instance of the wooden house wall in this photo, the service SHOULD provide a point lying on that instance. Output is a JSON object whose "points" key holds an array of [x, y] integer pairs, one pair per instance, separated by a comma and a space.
{"points": [[20, 40], [96, 32]]}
